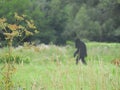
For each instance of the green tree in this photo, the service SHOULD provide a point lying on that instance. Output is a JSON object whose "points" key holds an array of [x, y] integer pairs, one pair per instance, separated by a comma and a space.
{"points": [[57, 19]]}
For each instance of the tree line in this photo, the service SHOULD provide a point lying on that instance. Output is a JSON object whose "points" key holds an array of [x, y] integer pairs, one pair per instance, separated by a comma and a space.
{"points": [[57, 20]]}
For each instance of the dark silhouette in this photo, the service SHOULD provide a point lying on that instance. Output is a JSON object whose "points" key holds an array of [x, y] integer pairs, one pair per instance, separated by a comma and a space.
{"points": [[81, 51]]}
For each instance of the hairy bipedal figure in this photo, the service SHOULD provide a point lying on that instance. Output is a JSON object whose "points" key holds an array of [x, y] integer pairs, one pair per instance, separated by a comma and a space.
{"points": [[81, 51]]}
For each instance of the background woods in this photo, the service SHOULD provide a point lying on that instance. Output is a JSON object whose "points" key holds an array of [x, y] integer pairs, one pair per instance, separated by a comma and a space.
{"points": [[95, 20]]}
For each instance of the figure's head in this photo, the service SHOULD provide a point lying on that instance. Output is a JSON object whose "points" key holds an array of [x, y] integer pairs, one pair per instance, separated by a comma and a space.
{"points": [[77, 42], [75, 36]]}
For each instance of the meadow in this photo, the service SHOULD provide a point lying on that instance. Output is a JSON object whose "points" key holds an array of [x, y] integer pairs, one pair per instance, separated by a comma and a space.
{"points": [[53, 67]]}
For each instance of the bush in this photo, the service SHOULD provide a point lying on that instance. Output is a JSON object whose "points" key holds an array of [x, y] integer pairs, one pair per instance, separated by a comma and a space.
{"points": [[14, 59], [71, 43]]}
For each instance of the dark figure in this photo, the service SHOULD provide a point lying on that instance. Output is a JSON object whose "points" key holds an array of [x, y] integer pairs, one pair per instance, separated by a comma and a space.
{"points": [[81, 51]]}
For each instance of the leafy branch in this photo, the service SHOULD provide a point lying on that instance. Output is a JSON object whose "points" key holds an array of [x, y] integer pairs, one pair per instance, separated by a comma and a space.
{"points": [[21, 28]]}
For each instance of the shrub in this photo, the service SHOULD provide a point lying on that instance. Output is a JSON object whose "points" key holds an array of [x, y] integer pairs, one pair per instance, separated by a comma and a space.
{"points": [[12, 31], [71, 43], [14, 59]]}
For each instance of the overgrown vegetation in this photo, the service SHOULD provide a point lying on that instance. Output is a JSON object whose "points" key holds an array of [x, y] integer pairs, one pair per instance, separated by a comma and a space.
{"points": [[11, 31], [53, 68], [14, 58]]}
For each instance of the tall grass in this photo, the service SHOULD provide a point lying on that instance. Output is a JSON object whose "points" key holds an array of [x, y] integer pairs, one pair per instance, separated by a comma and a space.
{"points": [[53, 68]]}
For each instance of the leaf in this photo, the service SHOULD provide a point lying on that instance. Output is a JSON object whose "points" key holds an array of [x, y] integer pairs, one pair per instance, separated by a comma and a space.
{"points": [[15, 33], [13, 27], [8, 36], [21, 27], [2, 20], [24, 15], [3, 25], [36, 31], [28, 33], [30, 24], [17, 17]]}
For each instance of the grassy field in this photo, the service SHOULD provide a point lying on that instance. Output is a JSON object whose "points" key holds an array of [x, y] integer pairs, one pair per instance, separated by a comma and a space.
{"points": [[53, 68]]}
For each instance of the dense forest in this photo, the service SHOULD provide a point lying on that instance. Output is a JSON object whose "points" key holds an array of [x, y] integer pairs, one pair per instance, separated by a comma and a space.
{"points": [[57, 20]]}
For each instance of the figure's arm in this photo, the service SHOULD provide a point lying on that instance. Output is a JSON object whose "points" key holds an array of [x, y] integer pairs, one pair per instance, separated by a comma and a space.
{"points": [[76, 52]]}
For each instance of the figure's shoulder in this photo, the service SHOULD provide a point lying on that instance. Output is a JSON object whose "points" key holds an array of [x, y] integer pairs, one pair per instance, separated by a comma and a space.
{"points": [[83, 43]]}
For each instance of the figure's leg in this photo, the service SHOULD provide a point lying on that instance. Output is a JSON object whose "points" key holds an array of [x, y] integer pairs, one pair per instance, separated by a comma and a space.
{"points": [[77, 59], [83, 60]]}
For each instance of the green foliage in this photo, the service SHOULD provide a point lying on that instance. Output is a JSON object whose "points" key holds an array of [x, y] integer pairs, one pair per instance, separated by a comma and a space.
{"points": [[52, 67], [14, 59], [70, 43], [11, 31], [96, 20]]}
